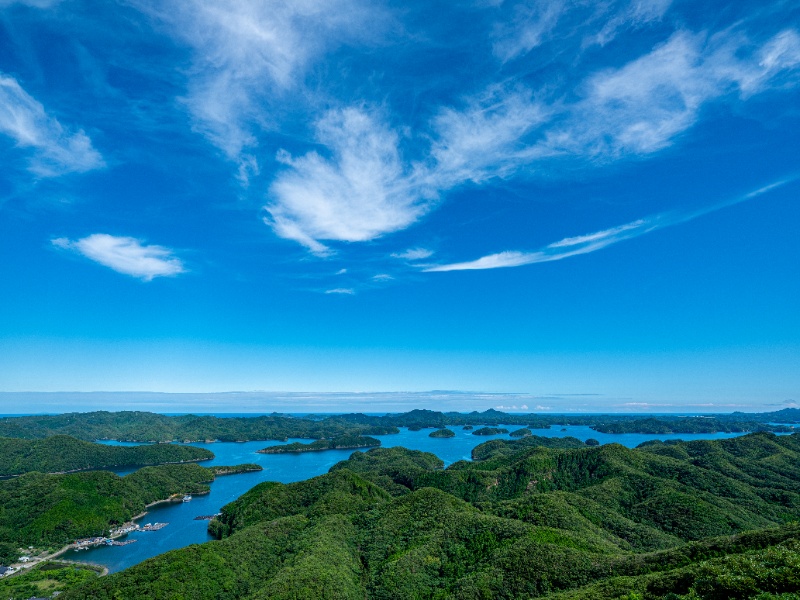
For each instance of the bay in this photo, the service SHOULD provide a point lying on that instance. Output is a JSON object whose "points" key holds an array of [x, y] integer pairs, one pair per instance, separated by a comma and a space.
{"points": [[184, 530]]}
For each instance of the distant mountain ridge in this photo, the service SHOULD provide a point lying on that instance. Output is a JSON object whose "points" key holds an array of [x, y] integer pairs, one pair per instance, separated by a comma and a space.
{"points": [[152, 427]]}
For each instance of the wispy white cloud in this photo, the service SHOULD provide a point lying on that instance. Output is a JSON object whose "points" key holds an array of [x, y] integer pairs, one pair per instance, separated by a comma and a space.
{"points": [[125, 255], [557, 250], [382, 277], [643, 106], [341, 271], [361, 192], [54, 149], [486, 139], [249, 63], [363, 188], [413, 254], [631, 14], [628, 112], [588, 241], [344, 291], [585, 244], [529, 25], [248, 55], [491, 261]]}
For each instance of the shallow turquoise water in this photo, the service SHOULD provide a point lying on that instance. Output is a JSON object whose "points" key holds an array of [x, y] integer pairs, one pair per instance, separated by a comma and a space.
{"points": [[286, 468]]}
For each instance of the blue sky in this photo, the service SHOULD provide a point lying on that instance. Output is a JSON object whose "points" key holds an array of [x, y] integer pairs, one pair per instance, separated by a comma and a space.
{"points": [[589, 201]]}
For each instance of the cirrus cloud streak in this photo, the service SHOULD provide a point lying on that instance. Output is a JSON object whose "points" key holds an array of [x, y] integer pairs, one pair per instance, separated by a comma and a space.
{"points": [[585, 244], [55, 149]]}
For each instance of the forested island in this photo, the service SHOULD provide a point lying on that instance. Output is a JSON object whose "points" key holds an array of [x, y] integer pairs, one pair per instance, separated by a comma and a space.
{"points": [[63, 453], [344, 442], [489, 431], [442, 433], [236, 469], [667, 521], [151, 427]]}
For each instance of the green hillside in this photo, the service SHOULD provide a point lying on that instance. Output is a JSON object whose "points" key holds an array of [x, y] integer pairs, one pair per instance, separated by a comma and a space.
{"points": [[661, 522], [137, 426], [53, 510], [61, 453]]}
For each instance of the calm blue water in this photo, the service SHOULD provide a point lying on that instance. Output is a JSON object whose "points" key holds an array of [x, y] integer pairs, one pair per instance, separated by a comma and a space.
{"points": [[286, 468]]}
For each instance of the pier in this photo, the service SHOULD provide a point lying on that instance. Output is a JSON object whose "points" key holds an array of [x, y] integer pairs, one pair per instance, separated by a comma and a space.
{"points": [[207, 517]]}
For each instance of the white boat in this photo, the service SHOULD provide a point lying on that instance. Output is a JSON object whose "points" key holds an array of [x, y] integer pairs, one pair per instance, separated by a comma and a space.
{"points": [[187, 498]]}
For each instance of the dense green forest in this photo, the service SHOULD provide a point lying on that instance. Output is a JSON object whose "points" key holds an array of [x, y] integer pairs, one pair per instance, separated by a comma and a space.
{"points": [[44, 580], [699, 520], [342, 442], [53, 510], [151, 427], [501, 447], [61, 453]]}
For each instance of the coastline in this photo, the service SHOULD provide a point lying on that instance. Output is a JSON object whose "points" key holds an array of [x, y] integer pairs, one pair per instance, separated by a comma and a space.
{"points": [[235, 472], [173, 498], [300, 451], [132, 521]]}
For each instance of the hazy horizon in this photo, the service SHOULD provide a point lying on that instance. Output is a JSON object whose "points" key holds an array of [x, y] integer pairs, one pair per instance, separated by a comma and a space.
{"points": [[343, 402]]}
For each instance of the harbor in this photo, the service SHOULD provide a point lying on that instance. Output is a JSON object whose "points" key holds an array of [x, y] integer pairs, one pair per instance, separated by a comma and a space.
{"points": [[94, 542]]}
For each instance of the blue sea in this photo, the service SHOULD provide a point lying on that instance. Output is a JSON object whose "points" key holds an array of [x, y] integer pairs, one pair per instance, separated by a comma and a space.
{"points": [[286, 468]]}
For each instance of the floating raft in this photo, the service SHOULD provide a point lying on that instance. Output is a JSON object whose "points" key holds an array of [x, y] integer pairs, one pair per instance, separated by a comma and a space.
{"points": [[125, 543]]}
